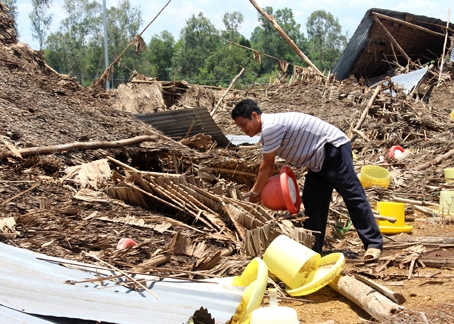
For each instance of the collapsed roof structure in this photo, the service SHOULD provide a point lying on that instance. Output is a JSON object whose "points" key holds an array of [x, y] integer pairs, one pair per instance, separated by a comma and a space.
{"points": [[387, 39]]}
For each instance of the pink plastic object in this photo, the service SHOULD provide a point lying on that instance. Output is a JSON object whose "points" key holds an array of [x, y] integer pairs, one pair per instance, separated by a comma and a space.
{"points": [[395, 151], [125, 243], [281, 192]]}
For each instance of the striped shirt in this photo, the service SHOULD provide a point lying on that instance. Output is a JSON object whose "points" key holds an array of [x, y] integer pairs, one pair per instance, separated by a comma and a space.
{"points": [[299, 138]]}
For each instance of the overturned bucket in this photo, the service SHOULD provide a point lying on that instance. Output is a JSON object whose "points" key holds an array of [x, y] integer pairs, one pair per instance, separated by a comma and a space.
{"points": [[395, 210], [290, 261]]}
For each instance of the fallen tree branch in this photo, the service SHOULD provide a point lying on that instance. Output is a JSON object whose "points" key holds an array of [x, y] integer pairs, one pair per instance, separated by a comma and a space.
{"points": [[435, 161], [79, 145]]}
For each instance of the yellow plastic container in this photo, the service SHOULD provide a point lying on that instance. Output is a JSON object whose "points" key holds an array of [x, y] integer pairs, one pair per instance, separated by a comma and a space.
{"points": [[395, 210], [447, 202], [329, 268], [372, 175], [452, 115], [291, 261], [255, 279], [449, 174]]}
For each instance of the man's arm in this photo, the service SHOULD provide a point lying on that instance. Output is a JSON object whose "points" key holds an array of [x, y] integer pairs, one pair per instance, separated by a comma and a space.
{"points": [[265, 171]]}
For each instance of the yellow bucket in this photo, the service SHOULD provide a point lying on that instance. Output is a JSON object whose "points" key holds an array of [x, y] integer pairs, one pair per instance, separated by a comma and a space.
{"points": [[447, 202], [291, 261], [449, 174], [395, 210], [452, 115], [372, 175], [391, 209]]}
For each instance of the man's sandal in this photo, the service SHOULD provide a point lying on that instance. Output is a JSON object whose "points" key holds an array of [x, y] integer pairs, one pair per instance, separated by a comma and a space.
{"points": [[372, 254]]}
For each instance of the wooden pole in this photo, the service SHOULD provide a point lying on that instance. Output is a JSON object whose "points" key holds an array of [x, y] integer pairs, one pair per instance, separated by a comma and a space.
{"points": [[444, 47], [366, 110], [366, 297], [392, 39], [79, 145], [226, 91], [285, 36], [403, 22]]}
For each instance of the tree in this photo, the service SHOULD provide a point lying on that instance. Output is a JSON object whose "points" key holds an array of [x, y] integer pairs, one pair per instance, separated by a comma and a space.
{"points": [[40, 20], [123, 25], [198, 40], [74, 38], [266, 39], [325, 38], [232, 22], [159, 53], [78, 46]]}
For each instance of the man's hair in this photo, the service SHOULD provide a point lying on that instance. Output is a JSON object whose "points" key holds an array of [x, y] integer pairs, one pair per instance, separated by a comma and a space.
{"points": [[244, 109]]}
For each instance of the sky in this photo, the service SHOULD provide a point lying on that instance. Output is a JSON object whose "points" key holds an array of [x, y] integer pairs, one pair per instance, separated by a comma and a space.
{"points": [[173, 19]]}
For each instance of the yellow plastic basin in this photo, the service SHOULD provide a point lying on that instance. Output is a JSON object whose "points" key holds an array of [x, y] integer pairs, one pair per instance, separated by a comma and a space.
{"points": [[372, 175], [329, 268]]}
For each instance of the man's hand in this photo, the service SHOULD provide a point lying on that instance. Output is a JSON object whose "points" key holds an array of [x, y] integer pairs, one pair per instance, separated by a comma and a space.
{"points": [[252, 197]]}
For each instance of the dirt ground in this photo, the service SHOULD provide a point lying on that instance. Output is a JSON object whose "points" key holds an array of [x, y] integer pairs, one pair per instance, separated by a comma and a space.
{"points": [[40, 108]]}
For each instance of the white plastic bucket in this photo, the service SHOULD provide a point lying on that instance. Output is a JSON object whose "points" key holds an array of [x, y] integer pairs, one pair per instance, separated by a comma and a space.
{"points": [[274, 315], [291, 261]]}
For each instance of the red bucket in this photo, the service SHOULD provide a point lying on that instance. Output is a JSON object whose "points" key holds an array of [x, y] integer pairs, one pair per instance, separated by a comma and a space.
{"points": [[281, 192]]}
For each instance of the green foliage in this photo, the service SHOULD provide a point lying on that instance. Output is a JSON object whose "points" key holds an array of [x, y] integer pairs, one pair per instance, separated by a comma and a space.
{"points": [[78, 47], [40, 20], [326, 41], [198, 40], [159, 54], [267, 40], [201, 54], [232, 22], [224, 64]]}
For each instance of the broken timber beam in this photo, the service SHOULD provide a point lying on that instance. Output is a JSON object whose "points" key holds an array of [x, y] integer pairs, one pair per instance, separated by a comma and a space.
{"points": [[392, 39], [366, 297], [79, 145], [403, 22], [285, 36]]}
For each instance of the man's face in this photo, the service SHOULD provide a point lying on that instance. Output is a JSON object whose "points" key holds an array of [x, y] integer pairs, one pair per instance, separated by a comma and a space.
{"points": [[250, 127]]}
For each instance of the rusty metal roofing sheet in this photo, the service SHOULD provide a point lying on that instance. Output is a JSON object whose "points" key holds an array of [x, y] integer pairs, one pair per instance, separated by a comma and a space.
{"points": [[176, 123], [33, 285]]}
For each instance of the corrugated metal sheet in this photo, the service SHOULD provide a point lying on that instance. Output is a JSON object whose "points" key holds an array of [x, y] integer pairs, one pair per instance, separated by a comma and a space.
{"points": [[8, 315], [35, 286], [409, 80], [176, 123]]}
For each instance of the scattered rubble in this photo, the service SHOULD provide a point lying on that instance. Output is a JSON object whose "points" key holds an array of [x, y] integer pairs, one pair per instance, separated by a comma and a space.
{"points": [[181, 201]]}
